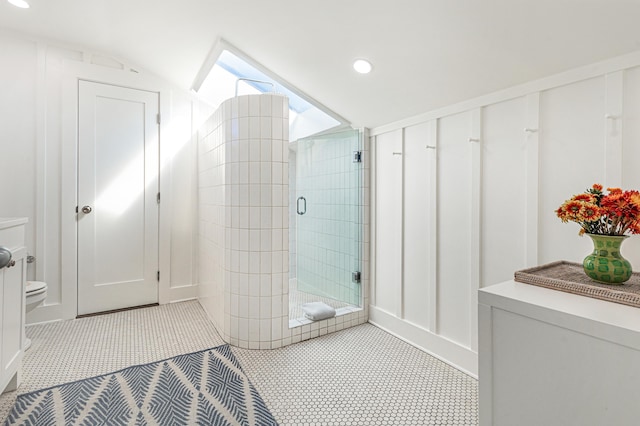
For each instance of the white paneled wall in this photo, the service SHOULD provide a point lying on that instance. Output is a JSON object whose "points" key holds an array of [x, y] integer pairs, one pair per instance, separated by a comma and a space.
{"points": [[465, 196], [388, 265], [453, 212], [628, 126], [417, 267], [572, 157], [504, 150]]}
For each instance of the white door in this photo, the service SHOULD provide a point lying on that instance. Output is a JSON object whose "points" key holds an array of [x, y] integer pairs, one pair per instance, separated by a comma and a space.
{"points": [[118, 161]]}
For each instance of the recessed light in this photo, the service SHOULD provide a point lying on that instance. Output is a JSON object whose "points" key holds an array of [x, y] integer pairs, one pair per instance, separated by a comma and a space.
{"points": [[362, 66], [19, 3]]}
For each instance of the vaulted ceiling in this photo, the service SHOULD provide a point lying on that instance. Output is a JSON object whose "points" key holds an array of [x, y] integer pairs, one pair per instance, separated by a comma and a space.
{"points": [[426, 53]]}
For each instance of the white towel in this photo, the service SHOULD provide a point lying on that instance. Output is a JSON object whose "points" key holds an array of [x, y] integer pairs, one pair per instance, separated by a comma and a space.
{"points": [[316, 311]]}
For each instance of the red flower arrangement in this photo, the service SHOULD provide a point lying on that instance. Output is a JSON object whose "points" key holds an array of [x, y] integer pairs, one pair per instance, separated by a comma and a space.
{"points": [[615, 213]]}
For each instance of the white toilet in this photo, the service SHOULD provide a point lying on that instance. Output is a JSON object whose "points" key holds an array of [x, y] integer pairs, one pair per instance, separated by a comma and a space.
{"points": [[36, 293]]}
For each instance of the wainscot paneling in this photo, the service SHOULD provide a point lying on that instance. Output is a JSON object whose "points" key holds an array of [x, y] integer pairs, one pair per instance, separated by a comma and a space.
{"points": [[466, 195]]}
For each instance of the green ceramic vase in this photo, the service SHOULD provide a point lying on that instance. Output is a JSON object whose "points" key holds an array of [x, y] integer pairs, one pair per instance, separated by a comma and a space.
{"points": [[606, 264]]}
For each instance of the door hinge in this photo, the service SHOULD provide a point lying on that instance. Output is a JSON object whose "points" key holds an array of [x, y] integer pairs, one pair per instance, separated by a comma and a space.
{"points": [[158, 198], [158, 276], [76, 209], [158, 118], [357, 156]]}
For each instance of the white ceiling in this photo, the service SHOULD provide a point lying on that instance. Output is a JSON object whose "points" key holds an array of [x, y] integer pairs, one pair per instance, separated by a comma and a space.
{"points": [[426, 53]]}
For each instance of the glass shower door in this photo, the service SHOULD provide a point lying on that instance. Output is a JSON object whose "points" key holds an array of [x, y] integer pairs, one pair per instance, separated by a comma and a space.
{"points": [[328, 211]]}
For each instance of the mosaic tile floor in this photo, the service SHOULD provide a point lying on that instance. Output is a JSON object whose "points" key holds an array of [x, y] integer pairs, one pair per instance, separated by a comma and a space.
{"points": [[65, 351], [358, 376], [298, 298]]}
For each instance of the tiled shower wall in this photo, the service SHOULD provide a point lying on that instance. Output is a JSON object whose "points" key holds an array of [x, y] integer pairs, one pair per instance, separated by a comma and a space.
{"points": [[244, 226], [244, 255]]}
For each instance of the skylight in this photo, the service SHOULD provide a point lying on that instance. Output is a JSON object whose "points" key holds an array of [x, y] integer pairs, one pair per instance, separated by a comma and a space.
{"points": [[232, 75]]}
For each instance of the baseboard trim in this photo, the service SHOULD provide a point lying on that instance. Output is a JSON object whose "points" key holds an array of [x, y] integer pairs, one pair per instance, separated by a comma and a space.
{"points": [[185, 292], [457, 356]]}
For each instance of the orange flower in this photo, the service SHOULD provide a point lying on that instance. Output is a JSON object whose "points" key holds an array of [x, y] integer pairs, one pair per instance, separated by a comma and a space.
{"points": [[613, 203], [615, 213], [590, 212], [573, 207], [634, 199], [588, 198]]}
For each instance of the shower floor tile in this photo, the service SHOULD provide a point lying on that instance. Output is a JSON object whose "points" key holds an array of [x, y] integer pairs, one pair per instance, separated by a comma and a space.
{"points": [[298, 298], [358, 376]]}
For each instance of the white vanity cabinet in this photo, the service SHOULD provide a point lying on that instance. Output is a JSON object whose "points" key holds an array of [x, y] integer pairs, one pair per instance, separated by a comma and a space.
{"points": [[12, 306], [552, 358]]}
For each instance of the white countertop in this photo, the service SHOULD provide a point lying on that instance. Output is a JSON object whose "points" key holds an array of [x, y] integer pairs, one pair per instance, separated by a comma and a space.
{"points": [[8, 222], [607, 320]]}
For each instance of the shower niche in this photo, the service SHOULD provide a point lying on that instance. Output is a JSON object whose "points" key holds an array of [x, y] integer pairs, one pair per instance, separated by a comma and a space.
{"points": [[278, 219]]}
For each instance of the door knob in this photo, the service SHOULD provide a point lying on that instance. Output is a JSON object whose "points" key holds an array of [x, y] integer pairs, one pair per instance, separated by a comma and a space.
{"points": [[86, 209]]}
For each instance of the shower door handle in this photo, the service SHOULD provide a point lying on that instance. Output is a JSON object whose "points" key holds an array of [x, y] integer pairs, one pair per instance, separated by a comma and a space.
{"points": [[301, 212]]}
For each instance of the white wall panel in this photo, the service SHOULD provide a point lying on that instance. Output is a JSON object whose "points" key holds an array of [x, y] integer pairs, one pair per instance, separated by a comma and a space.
{"points": [[417, 218], [18, 124], [503, 191], [454, 227], [389, 221], [183, 194], [629, 125], [572, 158]]}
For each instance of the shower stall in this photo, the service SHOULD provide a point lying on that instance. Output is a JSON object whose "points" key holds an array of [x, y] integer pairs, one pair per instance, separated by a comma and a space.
{"points": [[326, 222], [277, 220]]}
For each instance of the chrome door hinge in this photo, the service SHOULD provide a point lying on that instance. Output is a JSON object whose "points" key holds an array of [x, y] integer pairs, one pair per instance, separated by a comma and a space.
{"points": [[357, 156], [158, 198], [158, 118], [158, 276]]}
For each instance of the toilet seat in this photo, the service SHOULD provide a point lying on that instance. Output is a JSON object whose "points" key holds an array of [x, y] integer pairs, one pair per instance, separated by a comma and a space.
{"points": [[36, 287]]}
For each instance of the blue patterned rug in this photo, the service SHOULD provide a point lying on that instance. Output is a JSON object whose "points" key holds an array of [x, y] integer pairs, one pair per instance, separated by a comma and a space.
{"points": [[201, 388]]}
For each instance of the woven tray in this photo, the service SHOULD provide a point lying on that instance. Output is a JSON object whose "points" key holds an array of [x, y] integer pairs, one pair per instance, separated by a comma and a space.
{"points": [[570, 277]]}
